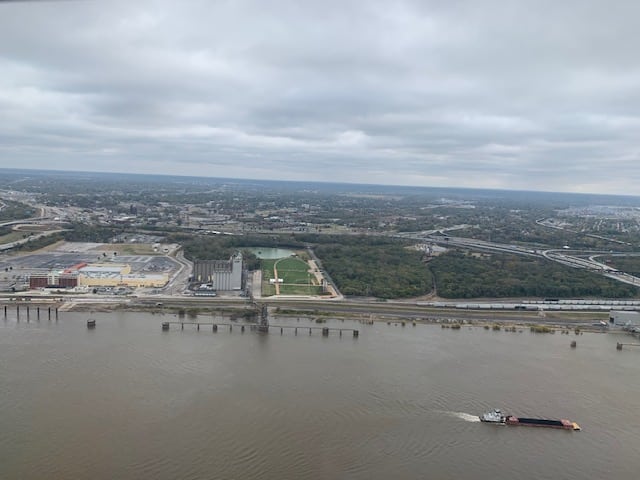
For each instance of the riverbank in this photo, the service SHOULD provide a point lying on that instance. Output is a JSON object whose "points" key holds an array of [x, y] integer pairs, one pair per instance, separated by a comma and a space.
{"points": [[364, 312]]}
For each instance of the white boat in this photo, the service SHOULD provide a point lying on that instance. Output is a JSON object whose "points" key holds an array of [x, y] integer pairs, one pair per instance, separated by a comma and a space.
{"points": [[494, 416]]}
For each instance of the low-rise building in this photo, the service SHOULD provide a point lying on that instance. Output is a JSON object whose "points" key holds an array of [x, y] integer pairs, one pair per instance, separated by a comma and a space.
{"points": [[53, 280]]}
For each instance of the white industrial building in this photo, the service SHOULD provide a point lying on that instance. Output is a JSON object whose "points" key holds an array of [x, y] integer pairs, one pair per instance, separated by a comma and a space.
{"points": [[221, 274]]}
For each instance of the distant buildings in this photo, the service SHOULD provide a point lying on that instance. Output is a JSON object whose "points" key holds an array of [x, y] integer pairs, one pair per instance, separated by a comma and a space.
{"points": [[221, 274]]}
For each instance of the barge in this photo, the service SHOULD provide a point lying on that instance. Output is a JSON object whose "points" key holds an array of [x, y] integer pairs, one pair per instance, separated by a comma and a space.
{"points": [[496, 416], [541, 422]]}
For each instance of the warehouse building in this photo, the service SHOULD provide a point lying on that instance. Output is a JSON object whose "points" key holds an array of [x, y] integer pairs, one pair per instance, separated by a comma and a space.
{"points": [[114, 275]]}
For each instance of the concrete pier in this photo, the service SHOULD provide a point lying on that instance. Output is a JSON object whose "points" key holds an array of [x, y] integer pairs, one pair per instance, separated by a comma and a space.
{"points": [[325, 331]]}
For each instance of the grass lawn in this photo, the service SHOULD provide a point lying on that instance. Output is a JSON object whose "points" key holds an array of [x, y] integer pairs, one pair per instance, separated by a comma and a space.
{"points": [[295, 275], [13, 236]]}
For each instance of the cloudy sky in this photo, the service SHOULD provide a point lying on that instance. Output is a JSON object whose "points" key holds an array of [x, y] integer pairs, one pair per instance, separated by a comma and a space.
{"points": [[535, 95]]}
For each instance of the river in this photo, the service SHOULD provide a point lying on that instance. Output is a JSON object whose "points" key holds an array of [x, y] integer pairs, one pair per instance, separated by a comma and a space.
{"points": [[129, 401]]}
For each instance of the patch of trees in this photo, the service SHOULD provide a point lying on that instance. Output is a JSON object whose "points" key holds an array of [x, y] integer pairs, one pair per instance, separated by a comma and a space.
{"points": [[81, 232], [15, 210], [374, 266], [460, 274], [38, 243]]}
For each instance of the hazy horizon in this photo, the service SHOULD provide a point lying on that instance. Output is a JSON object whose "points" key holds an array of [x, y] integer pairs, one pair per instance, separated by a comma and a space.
{"points": [[525, 96], [348, 186]]}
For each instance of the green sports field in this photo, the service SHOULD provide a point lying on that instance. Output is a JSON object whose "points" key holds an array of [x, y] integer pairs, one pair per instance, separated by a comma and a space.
{"points": [[296, 279]]}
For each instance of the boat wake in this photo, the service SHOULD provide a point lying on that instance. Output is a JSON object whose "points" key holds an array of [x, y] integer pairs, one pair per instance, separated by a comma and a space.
{"points": [[467, 417]]}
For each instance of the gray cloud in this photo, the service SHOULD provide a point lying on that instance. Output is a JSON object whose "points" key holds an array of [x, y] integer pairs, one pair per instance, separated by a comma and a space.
{"points": [[523, 95]]}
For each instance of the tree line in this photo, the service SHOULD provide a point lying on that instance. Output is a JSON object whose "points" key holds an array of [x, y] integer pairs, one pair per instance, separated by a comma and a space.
{"points": [[461, 274]]}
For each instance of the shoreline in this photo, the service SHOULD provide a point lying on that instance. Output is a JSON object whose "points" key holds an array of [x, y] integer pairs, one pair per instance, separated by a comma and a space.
{"points": [[319, 312]]}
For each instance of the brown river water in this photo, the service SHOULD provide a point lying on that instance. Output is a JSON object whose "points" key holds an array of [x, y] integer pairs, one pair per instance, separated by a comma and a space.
{"points": [[128, 401]]}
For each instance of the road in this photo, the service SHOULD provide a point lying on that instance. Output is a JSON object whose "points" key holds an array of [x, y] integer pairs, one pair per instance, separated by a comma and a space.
{"points": [[333, 289], [180, 279], [275, 275]]}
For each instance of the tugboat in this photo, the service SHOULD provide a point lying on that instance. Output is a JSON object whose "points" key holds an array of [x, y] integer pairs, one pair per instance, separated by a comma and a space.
{"points": [[494, 416]]}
